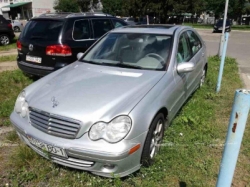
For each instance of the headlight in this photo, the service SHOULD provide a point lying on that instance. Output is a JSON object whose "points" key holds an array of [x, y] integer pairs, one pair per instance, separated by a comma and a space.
{"points": [[112, 132], [21, 106]]}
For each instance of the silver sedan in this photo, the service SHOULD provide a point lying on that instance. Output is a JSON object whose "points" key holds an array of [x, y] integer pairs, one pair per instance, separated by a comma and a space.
{"points": [[106, 112]]}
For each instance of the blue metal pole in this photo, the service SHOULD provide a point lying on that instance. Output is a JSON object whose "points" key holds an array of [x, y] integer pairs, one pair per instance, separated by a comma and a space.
{"points": [[237, 123], [222, 62]]}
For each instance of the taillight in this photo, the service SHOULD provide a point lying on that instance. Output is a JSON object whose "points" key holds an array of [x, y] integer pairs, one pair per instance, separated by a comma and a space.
{"points": [[10, 26], [58, 50], [19, 45]]}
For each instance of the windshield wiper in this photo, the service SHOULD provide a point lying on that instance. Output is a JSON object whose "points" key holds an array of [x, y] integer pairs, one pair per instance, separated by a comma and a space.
{"points": [[122, 65]]}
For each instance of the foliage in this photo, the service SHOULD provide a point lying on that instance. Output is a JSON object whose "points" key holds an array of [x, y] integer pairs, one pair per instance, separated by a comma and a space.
{"points": [[165, 8], [66, 6], [75, 5]]}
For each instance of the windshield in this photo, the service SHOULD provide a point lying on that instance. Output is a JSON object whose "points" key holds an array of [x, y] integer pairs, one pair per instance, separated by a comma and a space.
{"points": [[45, 30], [220, 22], [131, 50]]}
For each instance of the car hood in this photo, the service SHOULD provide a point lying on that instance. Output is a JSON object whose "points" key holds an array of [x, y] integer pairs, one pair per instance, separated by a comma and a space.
{"points": [[92, 93]]}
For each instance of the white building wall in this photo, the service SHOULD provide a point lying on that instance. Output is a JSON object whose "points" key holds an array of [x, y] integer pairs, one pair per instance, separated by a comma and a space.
{"points": [[5, 10], [42, 6]]}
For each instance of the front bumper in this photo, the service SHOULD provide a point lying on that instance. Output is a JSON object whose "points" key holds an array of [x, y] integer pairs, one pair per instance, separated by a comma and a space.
{"points": [[228, 29], [98, 157]]}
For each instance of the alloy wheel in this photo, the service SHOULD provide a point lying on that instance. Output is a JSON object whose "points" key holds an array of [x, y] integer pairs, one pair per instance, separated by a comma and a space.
{"points": [[156, 139], [203, 76], [4, 40]]}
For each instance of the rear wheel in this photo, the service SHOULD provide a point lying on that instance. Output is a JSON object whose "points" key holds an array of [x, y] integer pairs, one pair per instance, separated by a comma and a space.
{"points": [[16, 29], [153, 140], [4, 39]]}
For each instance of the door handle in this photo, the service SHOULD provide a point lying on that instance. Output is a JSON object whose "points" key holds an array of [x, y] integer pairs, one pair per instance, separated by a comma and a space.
{"points": [[203, 54]]}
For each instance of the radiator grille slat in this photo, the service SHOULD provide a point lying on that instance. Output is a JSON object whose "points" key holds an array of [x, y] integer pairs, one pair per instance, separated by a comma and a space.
{"points": [[54, 124]]}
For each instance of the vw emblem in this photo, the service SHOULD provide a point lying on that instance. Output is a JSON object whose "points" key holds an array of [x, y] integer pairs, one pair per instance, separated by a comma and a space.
{"points": [[31, 47], [55, 103]]}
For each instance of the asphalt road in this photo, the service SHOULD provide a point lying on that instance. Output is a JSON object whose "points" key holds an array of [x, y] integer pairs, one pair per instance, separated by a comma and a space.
{"points": [[238, 47]]}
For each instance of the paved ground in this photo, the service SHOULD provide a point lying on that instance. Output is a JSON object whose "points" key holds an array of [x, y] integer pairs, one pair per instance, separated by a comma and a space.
{"points": [[238, 47]]}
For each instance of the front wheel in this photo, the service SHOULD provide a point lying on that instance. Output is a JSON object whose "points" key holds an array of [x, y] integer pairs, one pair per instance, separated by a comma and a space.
{"points": [[154, 139], [203, 77]]}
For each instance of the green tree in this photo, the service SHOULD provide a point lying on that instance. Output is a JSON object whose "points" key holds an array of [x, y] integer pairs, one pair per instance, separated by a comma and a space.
{"points": [[85, 5], [113, 7], [66, 6], [75, 5]]}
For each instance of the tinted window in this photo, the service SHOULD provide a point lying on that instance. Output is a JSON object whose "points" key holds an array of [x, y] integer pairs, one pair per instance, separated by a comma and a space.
{"points": [[220, 22], [45, 30], [81, 30], [195, 43], [117, 23], [183, 54], [101, 26]]}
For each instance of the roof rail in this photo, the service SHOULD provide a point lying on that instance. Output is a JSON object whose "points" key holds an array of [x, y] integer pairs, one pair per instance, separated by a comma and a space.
{"points": [[89, 14], [71, 14], [55, 14]]}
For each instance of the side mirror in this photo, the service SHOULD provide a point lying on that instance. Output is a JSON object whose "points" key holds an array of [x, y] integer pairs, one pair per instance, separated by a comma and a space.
{"points": [[79, 55], [185, 67]]}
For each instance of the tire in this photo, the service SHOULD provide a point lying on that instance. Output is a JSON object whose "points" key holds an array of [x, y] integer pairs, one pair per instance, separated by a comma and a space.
{"points": [[4, 39], [16, 29], [203, 76], [153, 140]]}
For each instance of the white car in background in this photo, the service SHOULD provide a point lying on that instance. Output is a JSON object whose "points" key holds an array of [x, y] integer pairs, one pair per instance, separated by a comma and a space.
{"points": [[16, 25], [129, 20]]}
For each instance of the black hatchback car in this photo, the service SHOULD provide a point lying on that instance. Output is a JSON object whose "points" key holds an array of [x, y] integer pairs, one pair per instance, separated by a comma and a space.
{"points": [[6, 31], [219, 26], [52, 41]]}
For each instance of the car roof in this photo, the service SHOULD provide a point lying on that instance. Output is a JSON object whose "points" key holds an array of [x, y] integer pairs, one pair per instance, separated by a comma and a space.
{"points": [[149, 29], [63, 15]]}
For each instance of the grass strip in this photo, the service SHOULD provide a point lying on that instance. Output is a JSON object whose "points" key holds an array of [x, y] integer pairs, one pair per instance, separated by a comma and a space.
{"points": [[8, 58], [10, 46]]}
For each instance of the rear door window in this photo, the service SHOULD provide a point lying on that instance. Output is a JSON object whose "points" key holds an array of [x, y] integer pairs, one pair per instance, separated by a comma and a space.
{"points": [[101, 26], [81, 30], [42, 30]]}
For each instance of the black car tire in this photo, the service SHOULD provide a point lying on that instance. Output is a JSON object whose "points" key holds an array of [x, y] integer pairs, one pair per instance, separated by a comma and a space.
{"points": [[16, 29], [203, 76], [153, 140], [4, 39]]}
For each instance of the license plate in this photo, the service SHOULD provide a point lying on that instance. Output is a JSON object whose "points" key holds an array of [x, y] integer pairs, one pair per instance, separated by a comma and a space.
{"points": [[47, 148], [33, 59]]}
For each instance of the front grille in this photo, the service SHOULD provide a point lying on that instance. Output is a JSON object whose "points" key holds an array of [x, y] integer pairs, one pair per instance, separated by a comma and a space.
{"points": [[54, 124]]}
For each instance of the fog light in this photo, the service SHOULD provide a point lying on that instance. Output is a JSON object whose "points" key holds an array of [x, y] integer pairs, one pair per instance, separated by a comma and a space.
{"points": [[109, 166]]}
